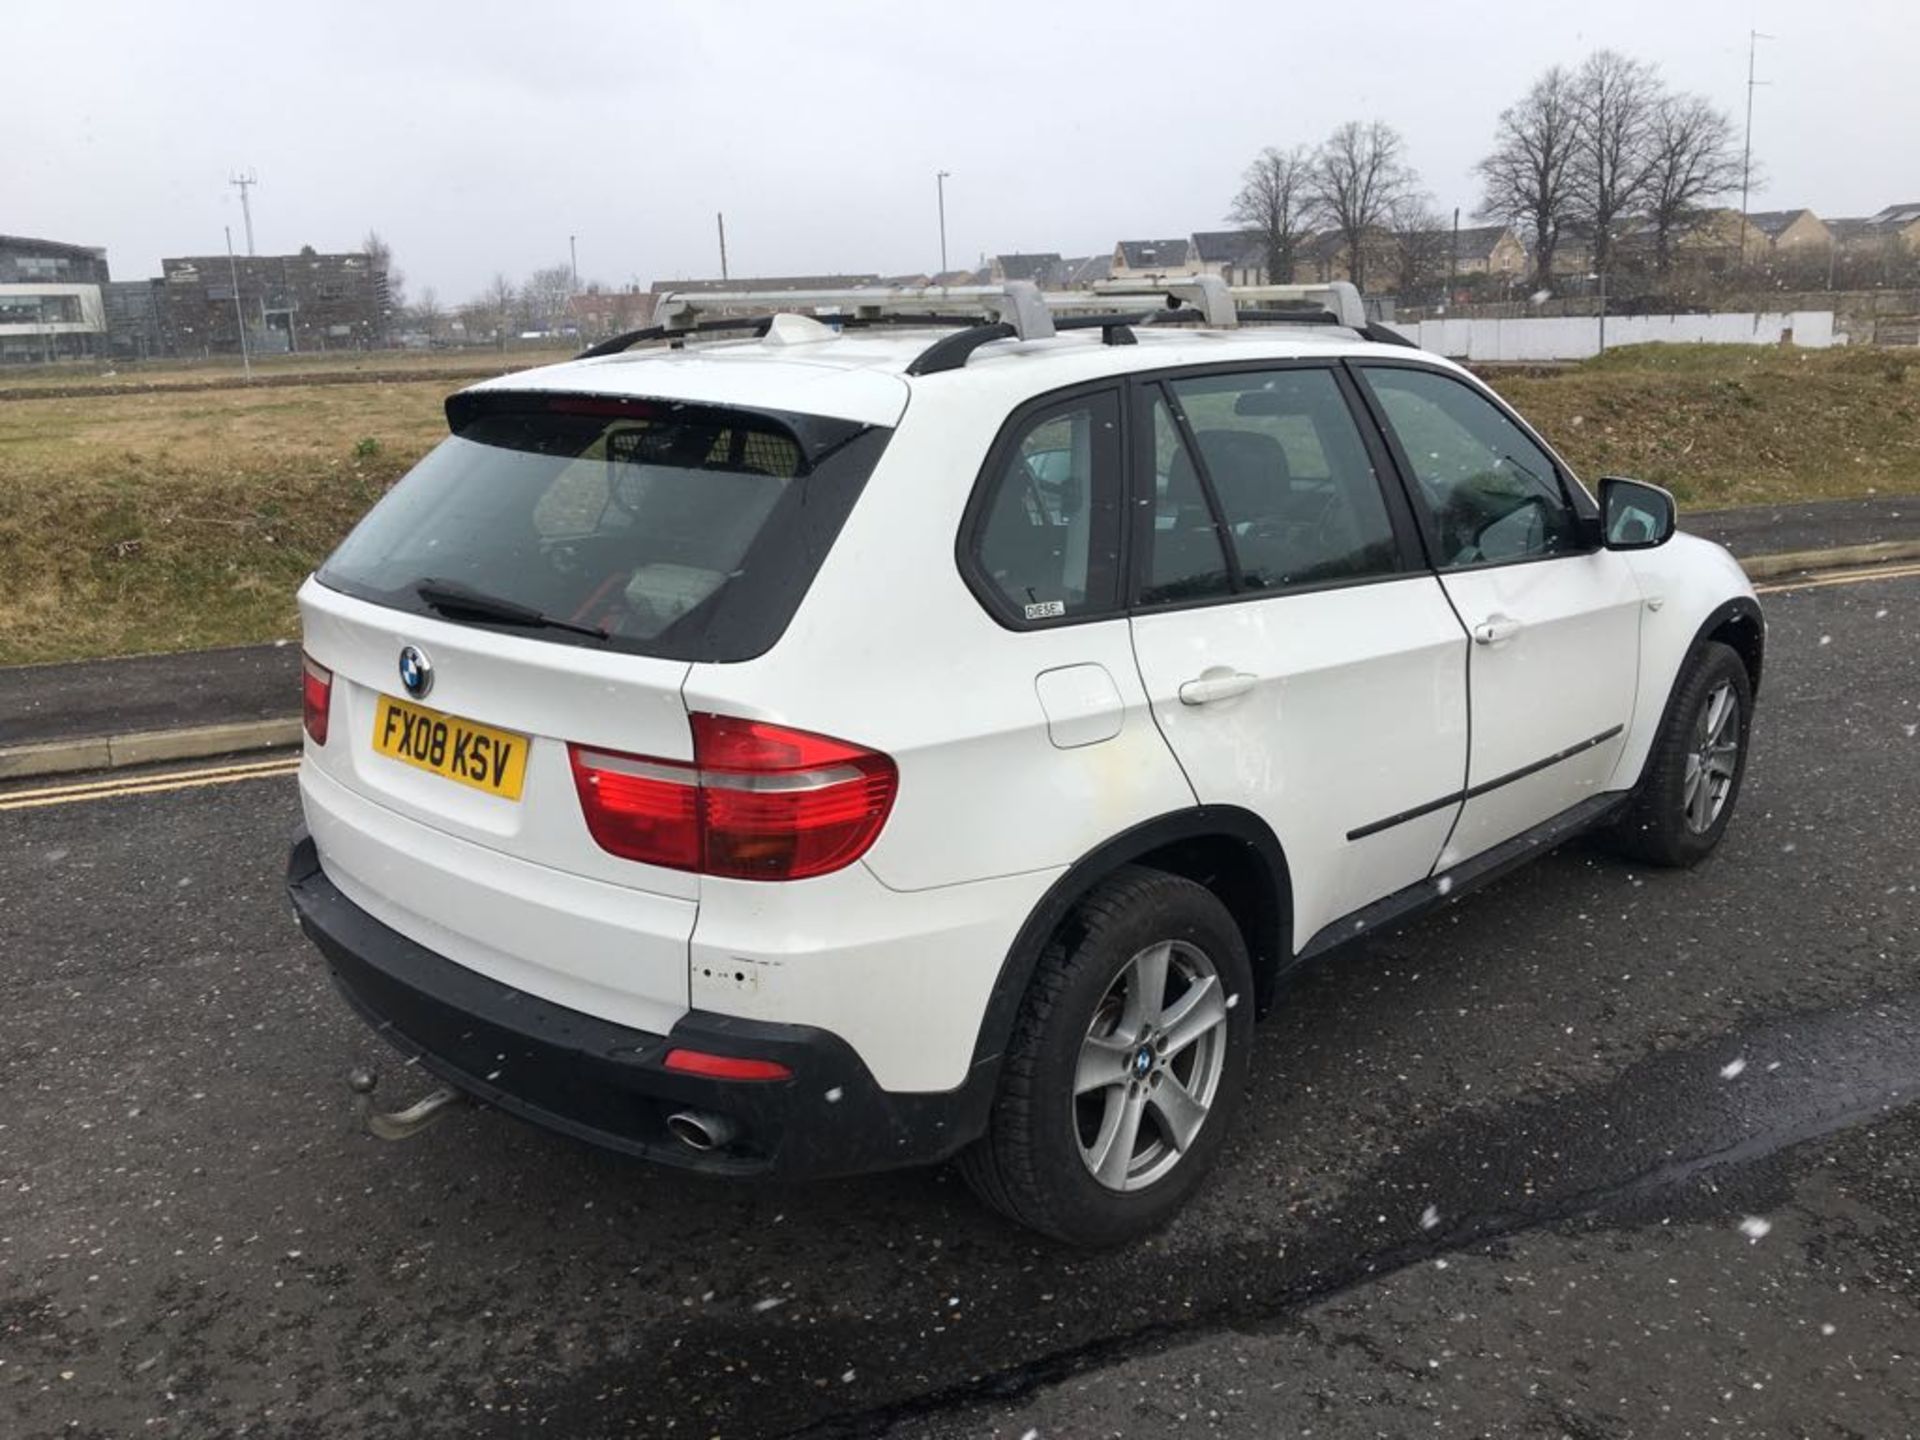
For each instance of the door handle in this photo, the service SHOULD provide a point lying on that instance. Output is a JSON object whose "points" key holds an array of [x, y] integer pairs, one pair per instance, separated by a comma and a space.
{"points": [[1216, 683], [1494, 629]]}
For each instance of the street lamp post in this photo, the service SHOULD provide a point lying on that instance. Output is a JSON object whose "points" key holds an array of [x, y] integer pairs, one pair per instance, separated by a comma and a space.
{"points": [[940, 185]]}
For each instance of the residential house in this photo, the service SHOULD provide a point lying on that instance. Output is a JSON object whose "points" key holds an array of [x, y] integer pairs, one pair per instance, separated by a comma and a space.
{"points": [[1492, 250], [1139, 259], [597, 314], [1323, 258], [1900, 223], [1238, 257], [1044, 268], [1088, 270], [1784, 234]]}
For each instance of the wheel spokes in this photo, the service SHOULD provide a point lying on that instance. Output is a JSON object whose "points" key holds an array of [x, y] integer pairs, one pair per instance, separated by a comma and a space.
{"points": [[1104, 1060], [1111, 1153], [1700, 802], [1194, 1014], [1146, 989], [1180, 1115]]}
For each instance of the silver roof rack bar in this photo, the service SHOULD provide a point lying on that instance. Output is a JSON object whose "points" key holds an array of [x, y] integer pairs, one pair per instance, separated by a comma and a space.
{"points": [[1017, 303], [1338, 298], [1207, 294]]}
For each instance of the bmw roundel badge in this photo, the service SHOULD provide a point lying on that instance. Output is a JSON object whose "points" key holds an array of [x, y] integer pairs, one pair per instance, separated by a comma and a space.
{"points": [[416, 671]]}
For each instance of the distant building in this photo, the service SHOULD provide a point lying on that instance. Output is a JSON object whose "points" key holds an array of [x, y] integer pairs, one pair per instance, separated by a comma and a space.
{"points": [[136, 318], [1778, 234], [598, 314], [298, 303], [1044, 268], [1136, 259], [1492, 250], [1900, 223], [50, 300], [1086, 270], [1238, 257]]}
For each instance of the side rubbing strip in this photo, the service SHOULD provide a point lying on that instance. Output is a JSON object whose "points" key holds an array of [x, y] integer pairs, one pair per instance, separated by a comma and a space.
{"points": [[1376, 826], [1539, 765], [1405, 815]]}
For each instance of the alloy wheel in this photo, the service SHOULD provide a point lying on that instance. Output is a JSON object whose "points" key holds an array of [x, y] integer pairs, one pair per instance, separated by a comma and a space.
{"points": [[1150, 1065], [1713, 759]]}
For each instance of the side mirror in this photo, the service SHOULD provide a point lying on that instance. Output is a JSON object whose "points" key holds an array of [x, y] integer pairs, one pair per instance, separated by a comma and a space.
{"points": [[1634, 515]]}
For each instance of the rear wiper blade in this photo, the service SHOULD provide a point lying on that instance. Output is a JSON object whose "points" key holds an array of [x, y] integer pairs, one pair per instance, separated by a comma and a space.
{"points": [[452, 596]]}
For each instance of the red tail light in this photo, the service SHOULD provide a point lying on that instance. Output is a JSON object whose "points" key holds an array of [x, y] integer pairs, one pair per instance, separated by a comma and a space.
{"points": [[316, 698], [760, 802]]}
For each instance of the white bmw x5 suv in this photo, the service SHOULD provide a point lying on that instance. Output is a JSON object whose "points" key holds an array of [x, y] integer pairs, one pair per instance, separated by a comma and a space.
{"points": [[887, 739]]}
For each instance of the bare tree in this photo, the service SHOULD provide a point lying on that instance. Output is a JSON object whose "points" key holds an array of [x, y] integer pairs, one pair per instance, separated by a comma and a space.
{"points": [[1526, 179], [428, 315], [496, 305], [1691, 159], [1421, 242], [1615, 101], [1358, 176], [1272, 207], [546, 295], [380, 260]]}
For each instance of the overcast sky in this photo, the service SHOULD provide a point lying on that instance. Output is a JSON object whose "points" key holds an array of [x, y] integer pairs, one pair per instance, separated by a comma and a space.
{"points": [[477, 136]]}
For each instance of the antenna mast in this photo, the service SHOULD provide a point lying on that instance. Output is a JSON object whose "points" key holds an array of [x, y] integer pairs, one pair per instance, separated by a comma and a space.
{"points": [[243, 180]]}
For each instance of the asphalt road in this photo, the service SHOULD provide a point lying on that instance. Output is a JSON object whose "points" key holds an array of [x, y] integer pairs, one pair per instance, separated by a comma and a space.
{"points": [[195, 1240]]}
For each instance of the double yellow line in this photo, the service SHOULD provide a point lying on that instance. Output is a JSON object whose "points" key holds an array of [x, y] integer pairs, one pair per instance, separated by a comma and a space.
{"points": [[1842, 577], [148, 784]]}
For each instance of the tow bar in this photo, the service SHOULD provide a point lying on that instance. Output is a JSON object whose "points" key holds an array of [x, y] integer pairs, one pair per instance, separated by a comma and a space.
{"points": [[399, 1124]]}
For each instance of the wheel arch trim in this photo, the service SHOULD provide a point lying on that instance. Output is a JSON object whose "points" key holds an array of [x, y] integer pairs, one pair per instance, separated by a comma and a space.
{"points": [[1741, 610], [1228, 823]]}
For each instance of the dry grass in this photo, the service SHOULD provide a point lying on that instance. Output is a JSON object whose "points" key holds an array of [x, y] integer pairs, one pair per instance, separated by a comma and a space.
{"points": [[139, 522], [1734, 424], [132, 523], [226, 369]]}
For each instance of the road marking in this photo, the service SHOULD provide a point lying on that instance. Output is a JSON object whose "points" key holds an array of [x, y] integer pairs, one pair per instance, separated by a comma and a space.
{"points": [[148, 784], [1850, 577]]}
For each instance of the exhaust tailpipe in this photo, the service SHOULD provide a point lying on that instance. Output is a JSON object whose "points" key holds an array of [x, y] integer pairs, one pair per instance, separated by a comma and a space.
{"points": [[701, 1132]]}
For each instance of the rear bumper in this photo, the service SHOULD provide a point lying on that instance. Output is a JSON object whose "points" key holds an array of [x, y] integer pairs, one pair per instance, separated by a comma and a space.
{"points": [[606, 1083]]}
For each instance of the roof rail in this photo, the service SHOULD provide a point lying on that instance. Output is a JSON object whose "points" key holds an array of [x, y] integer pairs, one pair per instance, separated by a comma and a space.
{"points": [[1013, 310], [1016, 302]]}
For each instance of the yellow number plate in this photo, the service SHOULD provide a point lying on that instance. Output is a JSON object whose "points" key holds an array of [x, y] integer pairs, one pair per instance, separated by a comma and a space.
{"points": [[478, 755]]}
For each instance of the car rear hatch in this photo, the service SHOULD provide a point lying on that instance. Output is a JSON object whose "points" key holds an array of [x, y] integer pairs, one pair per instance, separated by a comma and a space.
{"points": [[536, 590]]}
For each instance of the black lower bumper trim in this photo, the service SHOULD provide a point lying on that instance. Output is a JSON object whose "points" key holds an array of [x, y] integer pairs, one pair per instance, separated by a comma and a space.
{"points": [[606, 1083]]}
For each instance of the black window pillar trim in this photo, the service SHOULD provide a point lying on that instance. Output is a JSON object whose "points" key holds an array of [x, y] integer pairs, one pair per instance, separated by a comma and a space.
{"points": [[1187, 440]]}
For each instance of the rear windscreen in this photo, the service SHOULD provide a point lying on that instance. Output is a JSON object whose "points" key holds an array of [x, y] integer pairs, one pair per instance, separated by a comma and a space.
{"points": [[681, 531]]}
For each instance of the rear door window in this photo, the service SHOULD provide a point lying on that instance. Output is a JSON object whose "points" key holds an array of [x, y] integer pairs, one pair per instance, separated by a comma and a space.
{"points": [[686, 532], [1295, 486], [1045, 539]]}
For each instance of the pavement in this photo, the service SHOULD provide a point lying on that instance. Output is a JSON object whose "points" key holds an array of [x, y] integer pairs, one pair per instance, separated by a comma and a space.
{"points": [[62, 719], [1594, 1152]]}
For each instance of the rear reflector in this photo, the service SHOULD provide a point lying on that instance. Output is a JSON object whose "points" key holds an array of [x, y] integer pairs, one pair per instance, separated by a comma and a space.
{"points": [[316, 698], [760, 802], [725, 1067]]}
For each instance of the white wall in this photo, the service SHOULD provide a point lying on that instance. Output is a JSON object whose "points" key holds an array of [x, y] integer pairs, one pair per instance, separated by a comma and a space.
{"points": [[1578, 337]]}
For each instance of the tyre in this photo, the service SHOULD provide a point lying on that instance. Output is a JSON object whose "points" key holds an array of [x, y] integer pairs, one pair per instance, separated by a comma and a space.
{"points": [[1686, 797], [1127, 1063]]}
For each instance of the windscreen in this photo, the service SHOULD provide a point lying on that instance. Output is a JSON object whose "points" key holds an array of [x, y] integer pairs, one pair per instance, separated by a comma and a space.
{"points": [[686, 532]]}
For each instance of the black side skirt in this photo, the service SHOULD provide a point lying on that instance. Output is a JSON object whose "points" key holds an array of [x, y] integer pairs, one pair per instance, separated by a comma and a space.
{"points": [[1424, 895]]}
